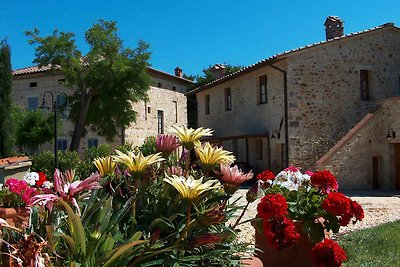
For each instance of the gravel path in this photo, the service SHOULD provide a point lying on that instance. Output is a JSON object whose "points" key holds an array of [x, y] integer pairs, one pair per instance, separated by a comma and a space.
{"points": [[379, 207]]}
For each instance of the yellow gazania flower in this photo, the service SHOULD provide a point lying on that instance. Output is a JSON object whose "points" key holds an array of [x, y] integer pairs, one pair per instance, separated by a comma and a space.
{"points": [[189, 137], [137, 163], [210, 156], [191, 188], [105, 166]]}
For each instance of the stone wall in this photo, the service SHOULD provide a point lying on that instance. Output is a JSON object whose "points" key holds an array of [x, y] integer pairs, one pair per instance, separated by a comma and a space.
{"points": [[172, 103], [247, 116], [324, 89], [48, 82], [351, 158], [146, 124]]}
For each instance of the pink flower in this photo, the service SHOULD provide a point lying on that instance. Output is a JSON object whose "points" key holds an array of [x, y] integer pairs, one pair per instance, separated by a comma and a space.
{"points": [[67, 189], [291, 169], [233, 175], [175, 170], [166, 143], [28, 194], [16, 186]]}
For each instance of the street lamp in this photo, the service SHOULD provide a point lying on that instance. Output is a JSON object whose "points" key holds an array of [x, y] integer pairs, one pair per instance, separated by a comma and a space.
{"points": [[55, 109]]}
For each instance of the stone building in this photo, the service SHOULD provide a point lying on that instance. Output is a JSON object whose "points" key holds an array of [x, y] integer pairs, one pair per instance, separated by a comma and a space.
{"points": [[167, 105], [325, 105]]}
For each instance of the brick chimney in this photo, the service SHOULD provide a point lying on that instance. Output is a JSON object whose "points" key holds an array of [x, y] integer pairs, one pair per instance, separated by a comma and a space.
{"points": [[333, 27], [178, 72], [218, 71]]}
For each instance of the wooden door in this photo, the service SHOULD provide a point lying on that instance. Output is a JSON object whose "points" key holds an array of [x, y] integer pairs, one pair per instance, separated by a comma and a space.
{"points": [[375, 172], [397, 166]]}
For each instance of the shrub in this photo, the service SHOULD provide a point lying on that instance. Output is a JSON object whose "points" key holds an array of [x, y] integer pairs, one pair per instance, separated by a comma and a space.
{"points": [[43, 162], [149, 146]]}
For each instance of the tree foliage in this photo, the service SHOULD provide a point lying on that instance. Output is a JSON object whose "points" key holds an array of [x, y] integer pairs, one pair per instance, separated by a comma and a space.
{"points": [[6, 122], [33, 128], [207, 75], [104, 82]]}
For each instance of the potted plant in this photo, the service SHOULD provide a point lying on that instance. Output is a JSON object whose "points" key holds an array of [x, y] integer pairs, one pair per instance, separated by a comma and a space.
{"points": [[296, 216], [15, 197]]}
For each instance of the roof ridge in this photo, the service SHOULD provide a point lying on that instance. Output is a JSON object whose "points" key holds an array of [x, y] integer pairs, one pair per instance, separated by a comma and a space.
{"points": [[277, 55]]}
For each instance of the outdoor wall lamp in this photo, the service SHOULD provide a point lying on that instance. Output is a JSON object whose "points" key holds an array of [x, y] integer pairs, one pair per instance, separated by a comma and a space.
{"points": [[390, 134], [275, 135]]}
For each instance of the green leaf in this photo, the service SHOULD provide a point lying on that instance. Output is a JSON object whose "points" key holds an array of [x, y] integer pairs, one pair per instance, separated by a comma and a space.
{"points": [[115, 254], [76, 229], [314, 230]]}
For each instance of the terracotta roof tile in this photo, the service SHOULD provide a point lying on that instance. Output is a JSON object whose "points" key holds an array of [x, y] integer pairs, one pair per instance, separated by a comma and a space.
{"points": [[12, 160], [285, 53], [36, 69]]}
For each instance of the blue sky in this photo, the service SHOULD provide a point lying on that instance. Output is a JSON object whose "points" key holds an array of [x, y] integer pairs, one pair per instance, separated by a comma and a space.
{"points": [[193, 34]]}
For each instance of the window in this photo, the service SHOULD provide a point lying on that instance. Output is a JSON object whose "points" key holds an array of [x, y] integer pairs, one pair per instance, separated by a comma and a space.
{"points": [[263, 80], [62, 144], [33, 103], [148, 109], [160, 121], [92, 142], [364, 86], [176, 110], [228, 99], [174, 88], [33, 84], [207, 104], [159, 85]]}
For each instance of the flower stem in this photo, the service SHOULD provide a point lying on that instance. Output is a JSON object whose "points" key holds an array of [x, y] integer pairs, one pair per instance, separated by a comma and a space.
{"points": [[187, 162], [241, 216]]}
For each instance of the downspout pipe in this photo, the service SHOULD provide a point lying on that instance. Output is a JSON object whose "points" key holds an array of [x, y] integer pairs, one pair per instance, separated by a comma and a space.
{"points": [[285, 100]]}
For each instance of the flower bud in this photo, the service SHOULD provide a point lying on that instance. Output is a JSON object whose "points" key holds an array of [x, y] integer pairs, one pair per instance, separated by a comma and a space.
{"points": [[253, 192], [206, 239]]}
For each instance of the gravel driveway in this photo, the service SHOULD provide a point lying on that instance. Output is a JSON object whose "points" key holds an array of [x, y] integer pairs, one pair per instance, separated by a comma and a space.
{"points": [[379, 207]]}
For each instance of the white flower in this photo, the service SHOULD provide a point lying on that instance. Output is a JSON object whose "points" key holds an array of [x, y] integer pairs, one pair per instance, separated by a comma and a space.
{"points": [[47, 184], [31, 178], [1, 187]]}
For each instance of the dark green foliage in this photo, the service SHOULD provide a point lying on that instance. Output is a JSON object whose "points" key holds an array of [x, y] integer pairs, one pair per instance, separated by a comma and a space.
{"points": [[104, 81], [43, 162], [33, 128], [377, 246], [86, 166], [207, 76], [6, 122], [149, 146]]}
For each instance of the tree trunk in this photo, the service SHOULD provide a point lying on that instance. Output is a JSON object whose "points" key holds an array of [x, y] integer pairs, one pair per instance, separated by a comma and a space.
{"points": [[81, 122]]}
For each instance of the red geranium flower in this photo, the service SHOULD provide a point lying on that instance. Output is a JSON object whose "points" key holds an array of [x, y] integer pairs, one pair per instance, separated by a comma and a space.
{"points": [[266, 175], [272, 206], [339, 205], [325, 181], [28, 194], [328, 254], [280, 232], [357, 210], [42, 179]]}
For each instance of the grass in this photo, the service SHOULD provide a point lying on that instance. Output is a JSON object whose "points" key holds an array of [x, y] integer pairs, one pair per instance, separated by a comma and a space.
{"points": [[377, 246]]}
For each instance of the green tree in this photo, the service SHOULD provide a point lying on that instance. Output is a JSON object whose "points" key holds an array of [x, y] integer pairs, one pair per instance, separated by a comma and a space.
{"points": [[207, 75], [6, 122], [33, 128], [104, 82]]}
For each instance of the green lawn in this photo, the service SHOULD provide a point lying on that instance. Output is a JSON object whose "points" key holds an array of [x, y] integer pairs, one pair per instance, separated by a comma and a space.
{"points": [[374, 247]]}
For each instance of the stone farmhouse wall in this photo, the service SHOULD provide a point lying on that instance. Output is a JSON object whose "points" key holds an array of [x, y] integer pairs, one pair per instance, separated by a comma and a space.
{"points": [[163, 98], [351, 158], [324, 89]]}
